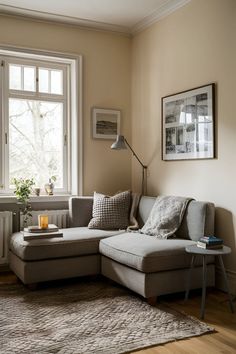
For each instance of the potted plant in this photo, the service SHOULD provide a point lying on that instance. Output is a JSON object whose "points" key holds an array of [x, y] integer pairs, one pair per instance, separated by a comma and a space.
{"points": [[23, 189]]}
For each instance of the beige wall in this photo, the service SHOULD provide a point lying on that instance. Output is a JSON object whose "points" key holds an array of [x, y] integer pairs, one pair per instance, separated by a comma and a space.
{"points": [[194, 46], [106, 84]]}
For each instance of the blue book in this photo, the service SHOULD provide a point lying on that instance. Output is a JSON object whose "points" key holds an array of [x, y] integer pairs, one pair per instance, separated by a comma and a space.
{"points": [[211, 240]]}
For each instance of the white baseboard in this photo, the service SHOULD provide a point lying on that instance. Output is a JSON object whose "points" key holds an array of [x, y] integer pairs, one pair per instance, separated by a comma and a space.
{"points": [[231, 276]]}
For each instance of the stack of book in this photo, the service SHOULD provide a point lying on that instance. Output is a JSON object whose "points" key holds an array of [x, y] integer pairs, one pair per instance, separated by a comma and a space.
{"points": [[36, 232], [210, 242]]}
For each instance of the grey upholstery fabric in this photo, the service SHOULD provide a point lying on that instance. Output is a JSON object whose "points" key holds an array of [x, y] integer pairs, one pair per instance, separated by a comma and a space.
{"points": [[75, 242], [145, 207], [77, 253], [146, 253], [110, 213], [165, 217], [80, 211], [155, 284], [198, 220], [52, 269]]}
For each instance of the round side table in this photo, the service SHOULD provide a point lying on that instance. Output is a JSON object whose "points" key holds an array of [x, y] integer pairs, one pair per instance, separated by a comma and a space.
{"points": [[195, 250]]}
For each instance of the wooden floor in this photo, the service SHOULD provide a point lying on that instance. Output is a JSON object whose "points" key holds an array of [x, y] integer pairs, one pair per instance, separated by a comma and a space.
{"points": [[217, 315]]}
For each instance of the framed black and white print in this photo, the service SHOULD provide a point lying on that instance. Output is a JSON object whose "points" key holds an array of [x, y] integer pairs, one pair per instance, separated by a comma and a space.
{"points": [[106, 123], [188, 124]]}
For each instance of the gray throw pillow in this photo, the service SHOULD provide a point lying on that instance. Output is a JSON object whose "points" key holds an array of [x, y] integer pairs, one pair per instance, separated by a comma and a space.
{"points": [[110, 213]]}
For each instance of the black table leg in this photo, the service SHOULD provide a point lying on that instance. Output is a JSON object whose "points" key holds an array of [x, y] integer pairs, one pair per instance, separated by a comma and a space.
{"points": [[226, 283], [204, 277], [189, 278]]}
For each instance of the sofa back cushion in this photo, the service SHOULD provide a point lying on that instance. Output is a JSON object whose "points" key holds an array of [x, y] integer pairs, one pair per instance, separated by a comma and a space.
{"points": [[198, 220], [144, 209], [80, 211]]}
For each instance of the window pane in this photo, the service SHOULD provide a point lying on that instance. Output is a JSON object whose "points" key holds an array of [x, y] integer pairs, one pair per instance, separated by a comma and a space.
{"points": [[36, 140], [56, 82], [43, 80], [15, 77], [29, 78]]}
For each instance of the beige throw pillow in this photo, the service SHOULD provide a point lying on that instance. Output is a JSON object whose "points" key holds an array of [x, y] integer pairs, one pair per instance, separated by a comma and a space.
{"points": [[110, 213]]}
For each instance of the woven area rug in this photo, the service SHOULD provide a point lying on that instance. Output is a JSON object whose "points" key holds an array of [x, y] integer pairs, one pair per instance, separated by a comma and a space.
{"points": [[90, 316]]}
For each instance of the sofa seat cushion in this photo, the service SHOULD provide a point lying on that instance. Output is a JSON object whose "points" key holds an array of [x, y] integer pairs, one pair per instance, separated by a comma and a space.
{"points": [[76, 241], [148, 254]]}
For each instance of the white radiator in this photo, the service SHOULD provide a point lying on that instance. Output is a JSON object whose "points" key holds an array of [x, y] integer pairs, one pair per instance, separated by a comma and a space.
{"points": [[57, 217], [5, 233]]}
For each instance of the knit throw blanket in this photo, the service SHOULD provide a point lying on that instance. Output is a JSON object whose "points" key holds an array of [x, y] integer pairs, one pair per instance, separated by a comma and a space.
{"points": [[165, 217]]}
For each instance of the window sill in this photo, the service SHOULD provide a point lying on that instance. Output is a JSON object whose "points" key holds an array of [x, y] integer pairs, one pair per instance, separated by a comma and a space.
{"points": [[37, 199]]}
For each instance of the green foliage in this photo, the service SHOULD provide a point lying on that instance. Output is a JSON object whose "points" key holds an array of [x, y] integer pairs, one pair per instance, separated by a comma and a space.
{"points": [[53, 178], [23, 189]]}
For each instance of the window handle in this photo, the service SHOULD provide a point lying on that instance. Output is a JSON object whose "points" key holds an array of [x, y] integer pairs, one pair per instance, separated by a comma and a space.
{"points": [[6, 138]]}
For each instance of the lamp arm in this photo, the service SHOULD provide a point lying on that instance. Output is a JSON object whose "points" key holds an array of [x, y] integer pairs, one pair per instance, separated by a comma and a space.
{"points": [[144, 167]]}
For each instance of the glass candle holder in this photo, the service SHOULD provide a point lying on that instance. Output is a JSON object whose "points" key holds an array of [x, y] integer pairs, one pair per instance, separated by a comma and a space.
{"points": [[43, 221]]}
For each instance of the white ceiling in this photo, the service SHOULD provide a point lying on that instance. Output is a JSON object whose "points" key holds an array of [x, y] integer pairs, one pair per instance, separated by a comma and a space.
{"points": [[126, 16]]}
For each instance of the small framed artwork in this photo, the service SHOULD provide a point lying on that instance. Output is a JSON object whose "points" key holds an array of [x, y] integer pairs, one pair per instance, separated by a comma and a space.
{"points": [[106, 123], [188, 124]]}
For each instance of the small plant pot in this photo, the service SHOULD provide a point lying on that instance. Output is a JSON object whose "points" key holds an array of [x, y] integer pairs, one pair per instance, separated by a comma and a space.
{"points": [[37, 191]]}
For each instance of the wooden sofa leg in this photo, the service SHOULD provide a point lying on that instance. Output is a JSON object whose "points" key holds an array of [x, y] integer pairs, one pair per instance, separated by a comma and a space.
{"points": [[32, 286], [152, 300]]}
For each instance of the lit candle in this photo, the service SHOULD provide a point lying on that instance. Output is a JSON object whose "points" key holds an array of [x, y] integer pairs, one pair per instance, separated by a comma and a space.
{"points": [[43, 221]]}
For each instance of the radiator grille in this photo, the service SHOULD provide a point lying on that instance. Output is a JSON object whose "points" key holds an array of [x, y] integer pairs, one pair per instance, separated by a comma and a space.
{"points": [[5, 233], [57, 217]]}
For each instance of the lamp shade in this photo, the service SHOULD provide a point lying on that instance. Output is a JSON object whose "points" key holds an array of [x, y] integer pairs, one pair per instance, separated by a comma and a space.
{"points": [[119, 144]]}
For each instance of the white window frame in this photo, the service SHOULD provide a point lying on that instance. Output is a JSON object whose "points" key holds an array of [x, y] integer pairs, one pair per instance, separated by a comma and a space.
{"points": [[72, 67]]}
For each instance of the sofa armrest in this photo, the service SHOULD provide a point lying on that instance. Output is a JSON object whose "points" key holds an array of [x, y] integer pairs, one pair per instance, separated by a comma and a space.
{"points": [[198, 221], [80, 211]]}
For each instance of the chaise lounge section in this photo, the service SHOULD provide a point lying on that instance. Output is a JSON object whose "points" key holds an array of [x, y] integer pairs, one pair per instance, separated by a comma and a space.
{"points": [[144, 264], [153, 267]]}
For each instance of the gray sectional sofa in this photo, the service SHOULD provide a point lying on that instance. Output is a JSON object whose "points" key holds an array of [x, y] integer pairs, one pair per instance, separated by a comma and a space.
{"points": [[147, 265]]}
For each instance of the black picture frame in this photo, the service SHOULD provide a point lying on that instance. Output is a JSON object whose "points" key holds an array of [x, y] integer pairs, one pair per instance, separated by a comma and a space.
{"points": [[188, 124]]}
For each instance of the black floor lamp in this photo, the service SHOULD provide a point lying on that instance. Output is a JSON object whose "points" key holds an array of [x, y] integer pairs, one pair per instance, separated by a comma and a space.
{"points": [[120, 144]]}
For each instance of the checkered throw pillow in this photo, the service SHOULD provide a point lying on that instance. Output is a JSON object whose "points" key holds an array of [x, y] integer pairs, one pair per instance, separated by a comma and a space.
{"points": [[110, 213]]}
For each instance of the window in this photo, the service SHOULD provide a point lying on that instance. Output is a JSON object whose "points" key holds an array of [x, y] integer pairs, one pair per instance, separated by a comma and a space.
{"points": [[36, 122]]}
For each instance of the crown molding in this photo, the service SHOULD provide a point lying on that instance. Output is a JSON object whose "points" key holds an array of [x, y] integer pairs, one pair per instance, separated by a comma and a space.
{"points": [[164, 10], [49, 17]]}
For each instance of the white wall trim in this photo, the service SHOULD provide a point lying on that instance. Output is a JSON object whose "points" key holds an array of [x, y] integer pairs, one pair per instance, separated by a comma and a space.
{"points": [[46, 16], [80, 134], [77, 118], [166, 9], [7, 199], [77, 131], [27, 52]]}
